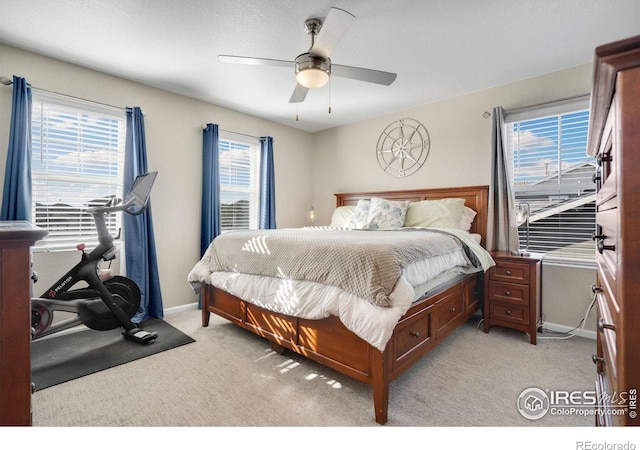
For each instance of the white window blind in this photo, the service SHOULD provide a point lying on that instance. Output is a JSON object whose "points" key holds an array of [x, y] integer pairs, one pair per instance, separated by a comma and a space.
{"points": [[77, 160], [552, 174], [239, 181]]}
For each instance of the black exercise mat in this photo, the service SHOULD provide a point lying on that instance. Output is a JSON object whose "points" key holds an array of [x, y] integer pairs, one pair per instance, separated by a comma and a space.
{"points": [[58, 359]]}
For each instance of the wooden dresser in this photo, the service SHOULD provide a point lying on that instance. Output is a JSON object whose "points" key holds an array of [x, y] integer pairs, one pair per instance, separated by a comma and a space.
{"points": [[614, 139], [15, 320]]}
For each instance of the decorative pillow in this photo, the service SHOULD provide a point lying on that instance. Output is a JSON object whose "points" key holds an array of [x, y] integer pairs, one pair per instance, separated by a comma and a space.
{"points": [[386, 214], [341, 216], [360, 217], [468, 215], [444, 213]]}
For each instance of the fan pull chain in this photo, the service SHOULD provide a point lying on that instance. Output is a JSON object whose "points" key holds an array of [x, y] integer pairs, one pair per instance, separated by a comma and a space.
{"points": [[297, 103], [329, 96]]}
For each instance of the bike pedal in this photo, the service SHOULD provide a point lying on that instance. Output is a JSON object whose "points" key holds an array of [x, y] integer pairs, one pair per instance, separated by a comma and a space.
{"points": [[140, 336]]}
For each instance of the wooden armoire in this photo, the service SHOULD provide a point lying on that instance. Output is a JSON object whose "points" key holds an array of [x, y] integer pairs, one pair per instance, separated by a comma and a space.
{"points": [[614, 140]]}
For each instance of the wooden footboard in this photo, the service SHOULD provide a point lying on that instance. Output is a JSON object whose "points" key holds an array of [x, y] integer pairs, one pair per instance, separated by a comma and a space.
{"points": [[330, 343]]}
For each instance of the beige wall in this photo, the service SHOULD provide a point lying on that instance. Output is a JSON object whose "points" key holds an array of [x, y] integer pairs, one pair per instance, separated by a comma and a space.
{"points": [[173, 126], [310, 168], [345, 157]]}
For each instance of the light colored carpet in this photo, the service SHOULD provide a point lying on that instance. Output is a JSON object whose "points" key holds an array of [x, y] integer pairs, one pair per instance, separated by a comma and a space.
{"points": [[229, 377]]}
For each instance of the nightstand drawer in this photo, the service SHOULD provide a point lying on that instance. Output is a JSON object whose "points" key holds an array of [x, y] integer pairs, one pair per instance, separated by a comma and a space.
{"points": [[511, 272], [517, 294], [510, 313]]}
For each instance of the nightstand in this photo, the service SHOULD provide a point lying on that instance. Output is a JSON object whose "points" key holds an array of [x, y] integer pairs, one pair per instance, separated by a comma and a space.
{"points": [[512, 292]]}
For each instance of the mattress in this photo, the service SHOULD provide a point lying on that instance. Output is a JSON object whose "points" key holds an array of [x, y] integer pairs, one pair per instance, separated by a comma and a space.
{"points": [[316, 300]]}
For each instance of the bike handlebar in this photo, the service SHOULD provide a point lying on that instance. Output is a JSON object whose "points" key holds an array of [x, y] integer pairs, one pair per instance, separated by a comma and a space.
{"points": [[136, 200], [126, 207]]}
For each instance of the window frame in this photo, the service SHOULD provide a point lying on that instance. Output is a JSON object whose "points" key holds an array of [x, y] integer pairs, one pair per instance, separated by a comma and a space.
{"points": [[575, 219], [238, 141], [97, 124]]}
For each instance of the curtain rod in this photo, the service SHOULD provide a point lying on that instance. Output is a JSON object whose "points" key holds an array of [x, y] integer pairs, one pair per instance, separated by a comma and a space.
{"points": [[540, 105], [8, 82], [204, 127]]}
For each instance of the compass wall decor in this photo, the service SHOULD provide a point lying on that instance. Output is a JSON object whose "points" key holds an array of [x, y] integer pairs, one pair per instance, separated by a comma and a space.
{"points": [[403, 147]]}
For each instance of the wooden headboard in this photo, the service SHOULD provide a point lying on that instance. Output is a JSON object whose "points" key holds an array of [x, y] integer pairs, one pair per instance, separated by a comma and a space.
{"points": [[475, 197]]}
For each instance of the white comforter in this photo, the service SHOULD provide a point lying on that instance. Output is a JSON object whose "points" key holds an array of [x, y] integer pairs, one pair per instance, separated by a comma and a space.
{"points": [[312, 300]]}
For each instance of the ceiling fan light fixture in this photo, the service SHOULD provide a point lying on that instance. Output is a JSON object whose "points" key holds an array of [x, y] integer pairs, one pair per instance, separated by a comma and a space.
{"points": [[312, 71]]}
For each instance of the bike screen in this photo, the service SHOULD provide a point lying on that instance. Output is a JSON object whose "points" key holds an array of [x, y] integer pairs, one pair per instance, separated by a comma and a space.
{"points": [[137, 198]]}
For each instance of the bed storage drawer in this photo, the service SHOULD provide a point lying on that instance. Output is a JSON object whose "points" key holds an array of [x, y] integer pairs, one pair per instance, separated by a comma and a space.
{"points": [[333, 344], [412, 335], [448, 311], [473, 293], [271, 325]]}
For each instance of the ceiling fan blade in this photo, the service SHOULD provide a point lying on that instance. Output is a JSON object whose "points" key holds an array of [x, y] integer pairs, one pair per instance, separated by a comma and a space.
{"points": [[299, 94], [333, 28], [255, 61], [358, 73]]}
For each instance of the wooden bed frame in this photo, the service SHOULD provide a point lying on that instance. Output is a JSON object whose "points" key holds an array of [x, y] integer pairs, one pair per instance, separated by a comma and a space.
{"points": [[330, 343]]}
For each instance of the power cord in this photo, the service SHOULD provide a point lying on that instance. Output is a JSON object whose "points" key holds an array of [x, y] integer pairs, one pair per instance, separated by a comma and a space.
{"points": [[569, 334]]}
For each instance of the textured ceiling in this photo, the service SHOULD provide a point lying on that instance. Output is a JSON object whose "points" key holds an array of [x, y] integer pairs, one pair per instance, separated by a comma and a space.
{"points": [[439, 48]]}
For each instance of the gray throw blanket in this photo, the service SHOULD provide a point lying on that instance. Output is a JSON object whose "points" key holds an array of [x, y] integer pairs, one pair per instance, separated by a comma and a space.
{"points": [[366, 263]]}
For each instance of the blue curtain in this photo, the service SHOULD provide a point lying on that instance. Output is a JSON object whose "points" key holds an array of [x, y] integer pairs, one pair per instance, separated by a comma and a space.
{"points": [[210, 220], [140, 248], [267, 185], [16, 194]]}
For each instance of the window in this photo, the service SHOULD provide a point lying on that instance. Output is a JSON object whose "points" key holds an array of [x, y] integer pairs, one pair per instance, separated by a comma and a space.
{"points": [[77, 161], [239, 181], [552, 174]]}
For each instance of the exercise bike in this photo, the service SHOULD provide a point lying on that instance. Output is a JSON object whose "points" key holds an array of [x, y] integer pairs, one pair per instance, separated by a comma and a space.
{"points": [[100, 305]]}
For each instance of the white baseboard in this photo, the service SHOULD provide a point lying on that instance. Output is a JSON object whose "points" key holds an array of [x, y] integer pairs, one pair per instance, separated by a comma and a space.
{"points": [[177, 309], [565, 329]]}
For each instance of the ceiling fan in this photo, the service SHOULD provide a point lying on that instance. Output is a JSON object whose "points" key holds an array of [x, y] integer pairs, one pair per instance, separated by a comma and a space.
{"points": [[314, 68]]}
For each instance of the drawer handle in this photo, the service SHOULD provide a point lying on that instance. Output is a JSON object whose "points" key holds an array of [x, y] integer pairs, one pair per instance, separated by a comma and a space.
{"points": [[508, 312], [452, 310], [602, 325], [507, 293], [603, 158], [597, 359], [602, 247], [415, 334], [508, 272]]}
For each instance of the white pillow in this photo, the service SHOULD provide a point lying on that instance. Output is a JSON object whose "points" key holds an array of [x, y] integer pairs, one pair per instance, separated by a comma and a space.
{"points": [[341, 215], [386, 214], [468, 215], [360, 217], [443, 213]]}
